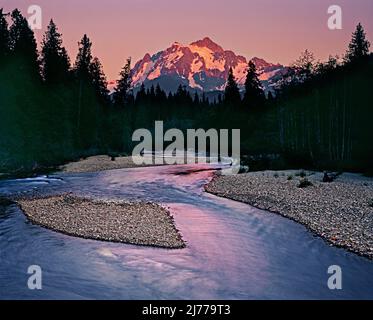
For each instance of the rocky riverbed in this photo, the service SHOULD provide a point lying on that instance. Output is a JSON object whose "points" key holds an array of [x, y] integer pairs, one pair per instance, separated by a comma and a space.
{"points": [[340, 211], [134, 223]]}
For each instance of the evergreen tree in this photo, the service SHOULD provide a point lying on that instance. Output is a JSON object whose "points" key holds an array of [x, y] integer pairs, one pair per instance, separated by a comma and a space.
{"points": [[88, 111], [182, 95], [160, 94], [304, 66], [141, 94], [254, 95], [326, 68], [54, 57], [22, 41], [4, 36], [359, 45], [151, 93], [84, 58], [158, 91], [122, 90], [231, 93], [196, 100], [180, 91], [99, 80]]}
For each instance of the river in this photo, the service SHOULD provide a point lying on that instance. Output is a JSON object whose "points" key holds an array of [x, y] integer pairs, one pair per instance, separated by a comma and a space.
{"points": [[234, 251]]}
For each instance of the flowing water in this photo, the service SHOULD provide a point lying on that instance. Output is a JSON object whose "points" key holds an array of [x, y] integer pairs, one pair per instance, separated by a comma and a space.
{"points": [[234, 251]]}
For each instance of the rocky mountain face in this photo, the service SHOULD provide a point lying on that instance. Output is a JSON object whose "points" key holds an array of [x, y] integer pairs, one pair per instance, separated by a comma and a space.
{"points": [[202, 65]]}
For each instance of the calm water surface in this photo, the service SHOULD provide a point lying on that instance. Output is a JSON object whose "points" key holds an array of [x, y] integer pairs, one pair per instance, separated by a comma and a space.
{"points": [[234, 251]]}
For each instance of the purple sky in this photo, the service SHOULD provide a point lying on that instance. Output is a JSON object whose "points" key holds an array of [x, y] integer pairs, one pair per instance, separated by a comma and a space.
{"points": [[276, 30]]}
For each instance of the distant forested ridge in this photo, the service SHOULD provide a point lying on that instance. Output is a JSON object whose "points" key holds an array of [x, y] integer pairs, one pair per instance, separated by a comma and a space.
{"points": [[53, 109]]}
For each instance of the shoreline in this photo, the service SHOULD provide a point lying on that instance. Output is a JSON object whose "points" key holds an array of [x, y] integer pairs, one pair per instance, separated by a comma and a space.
{"points": [[100, 163], [339, 212], [92, 163], [136, 223]]}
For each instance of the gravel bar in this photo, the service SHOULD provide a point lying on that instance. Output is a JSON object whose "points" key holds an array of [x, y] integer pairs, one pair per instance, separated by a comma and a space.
{"points": [[100, 163], [340, 211], [133, 223]]}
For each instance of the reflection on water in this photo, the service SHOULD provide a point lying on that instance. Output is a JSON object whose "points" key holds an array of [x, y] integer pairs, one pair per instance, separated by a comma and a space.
{"points": [[234, 251]]}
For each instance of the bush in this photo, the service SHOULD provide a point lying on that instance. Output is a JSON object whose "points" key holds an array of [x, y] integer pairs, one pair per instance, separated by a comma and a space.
{"points": [[290, 177], [304, 183]]}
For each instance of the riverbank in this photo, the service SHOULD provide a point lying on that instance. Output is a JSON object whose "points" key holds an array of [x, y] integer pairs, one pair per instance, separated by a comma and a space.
{"points": [[99, 163], [104, 162], [340, 211], [133, 223], [88, 164]]}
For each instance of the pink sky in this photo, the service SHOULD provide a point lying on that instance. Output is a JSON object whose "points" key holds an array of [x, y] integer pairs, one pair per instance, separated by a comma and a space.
{"points": [[276, 30]]}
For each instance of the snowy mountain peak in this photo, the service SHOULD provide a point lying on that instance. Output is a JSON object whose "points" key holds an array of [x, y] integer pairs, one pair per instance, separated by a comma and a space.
{"points": [[147, 58], [202, 65], [207, 43]]}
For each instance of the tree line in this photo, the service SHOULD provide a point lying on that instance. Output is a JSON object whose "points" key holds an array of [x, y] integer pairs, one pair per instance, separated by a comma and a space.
{"points": [[324, 110], [53, 110]]}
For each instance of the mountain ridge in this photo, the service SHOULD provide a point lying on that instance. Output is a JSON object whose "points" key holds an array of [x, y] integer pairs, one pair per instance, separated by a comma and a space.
{"points": [[203, 65]]}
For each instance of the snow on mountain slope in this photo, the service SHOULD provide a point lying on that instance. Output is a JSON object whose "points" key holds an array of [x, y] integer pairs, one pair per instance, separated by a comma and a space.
{"points": [[201, 65]]}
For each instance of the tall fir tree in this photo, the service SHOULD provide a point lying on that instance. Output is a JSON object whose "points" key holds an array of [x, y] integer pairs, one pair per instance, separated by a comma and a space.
{"points": [[54, 58], [4, 36], [22, 42], [141, 94], [99, 80], [87, 111], [231, 93], [122, 90], [180, 91], [84, 58], [359, 45], [151, 92], [159, 92], [254, 94]]}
